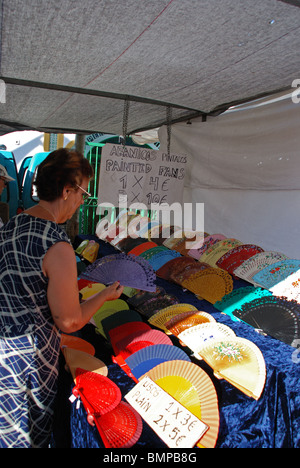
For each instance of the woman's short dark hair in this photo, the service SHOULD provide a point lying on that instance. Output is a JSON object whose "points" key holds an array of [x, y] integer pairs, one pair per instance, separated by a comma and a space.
{"points": [[62, 167]]}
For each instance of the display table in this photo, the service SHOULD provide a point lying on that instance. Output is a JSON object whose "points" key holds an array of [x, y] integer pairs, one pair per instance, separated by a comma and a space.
{"points": [[271, 422]]}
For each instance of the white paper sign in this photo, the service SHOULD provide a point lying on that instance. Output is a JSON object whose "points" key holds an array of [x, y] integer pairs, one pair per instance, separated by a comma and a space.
{"points": [[142, 176], [173, 423]]}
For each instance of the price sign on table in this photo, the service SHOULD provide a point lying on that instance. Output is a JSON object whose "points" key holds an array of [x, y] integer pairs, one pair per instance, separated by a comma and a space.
{"points": [[173, 423]]}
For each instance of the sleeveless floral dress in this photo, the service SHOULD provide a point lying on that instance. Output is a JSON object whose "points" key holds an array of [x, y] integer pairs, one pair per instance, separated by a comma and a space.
{"points": [[29, 340]]}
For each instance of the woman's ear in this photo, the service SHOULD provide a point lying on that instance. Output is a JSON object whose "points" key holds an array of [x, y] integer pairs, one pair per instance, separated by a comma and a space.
{"points": [[66, 192]]}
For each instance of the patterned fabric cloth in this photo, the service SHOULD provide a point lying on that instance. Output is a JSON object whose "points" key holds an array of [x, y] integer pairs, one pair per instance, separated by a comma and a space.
{"points": [[29, 340]]}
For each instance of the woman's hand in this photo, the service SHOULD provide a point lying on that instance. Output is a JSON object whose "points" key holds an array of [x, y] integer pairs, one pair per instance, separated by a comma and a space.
{"points": [[113, 291]]}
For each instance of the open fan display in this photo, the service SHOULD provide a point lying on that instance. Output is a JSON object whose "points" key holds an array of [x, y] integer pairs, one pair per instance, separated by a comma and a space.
{"points": [[275, 273], [108, 308], [154, 305], [213, 253], [75, 342], [147, 358], [211, 284], [233, 301], [188, 384], [129, 270], [236, 256], [121, 427], [289, 288], [160, 258], [208, 242], [126, 329], [240, 362], [76, 359], [164, 315], [138, 340], [119, 318], [97, 392], [91, 289], [197, 337], [258, 262], [174, 265], [186, 320], [118, 424], [275, 316]]}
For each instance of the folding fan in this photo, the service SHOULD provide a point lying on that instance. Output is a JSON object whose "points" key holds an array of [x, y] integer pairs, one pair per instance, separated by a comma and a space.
{"points": [[197, 337], [211, 284], [152, 306], [258, 262], [129, 243], [277, 272], [173, 239], [234, 300], [109, 308], [180, 276], [275, 316], [91, 289], [213, 253], [175, 264], [147, 358], [181, 322], [289, 288], [119, 428], [98, 393], [188, 384], [117, 319], [153, 251], [125, 330], [74, 342], [161, 317], [129, 270], [141, 297], [160, 258], [139, 340], [208, 241], [240, 362], [76, 359], [142, 247], [236, 256]]}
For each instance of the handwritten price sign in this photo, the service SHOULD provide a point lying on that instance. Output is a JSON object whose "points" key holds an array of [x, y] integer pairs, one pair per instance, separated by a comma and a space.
{"points": [[173, 423], [142, 176]]}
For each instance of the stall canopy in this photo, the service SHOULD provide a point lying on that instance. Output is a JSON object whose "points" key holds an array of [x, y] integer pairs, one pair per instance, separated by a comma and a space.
{"points": [[70, 66]]}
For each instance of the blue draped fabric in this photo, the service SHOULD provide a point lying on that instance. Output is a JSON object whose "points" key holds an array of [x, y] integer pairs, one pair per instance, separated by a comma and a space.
{"points": [[271, 422]]}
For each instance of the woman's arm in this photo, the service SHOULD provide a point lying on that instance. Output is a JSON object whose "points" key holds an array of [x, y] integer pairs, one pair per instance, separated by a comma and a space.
{"points": [[69, 315]]}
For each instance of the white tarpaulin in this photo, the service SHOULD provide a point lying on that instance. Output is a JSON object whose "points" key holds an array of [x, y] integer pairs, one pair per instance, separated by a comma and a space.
{"points": [[245, 168]]}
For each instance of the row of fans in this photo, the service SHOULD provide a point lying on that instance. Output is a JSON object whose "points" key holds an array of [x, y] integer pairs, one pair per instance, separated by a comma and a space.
{"points": [[214, 255], [139, 349]]}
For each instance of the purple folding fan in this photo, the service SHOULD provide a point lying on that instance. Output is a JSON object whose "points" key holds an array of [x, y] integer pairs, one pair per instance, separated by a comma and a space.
{"points": [[130, 270]]}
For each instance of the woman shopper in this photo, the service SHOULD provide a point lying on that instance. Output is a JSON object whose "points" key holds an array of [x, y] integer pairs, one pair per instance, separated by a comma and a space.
{"points": [[39, 298]]}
